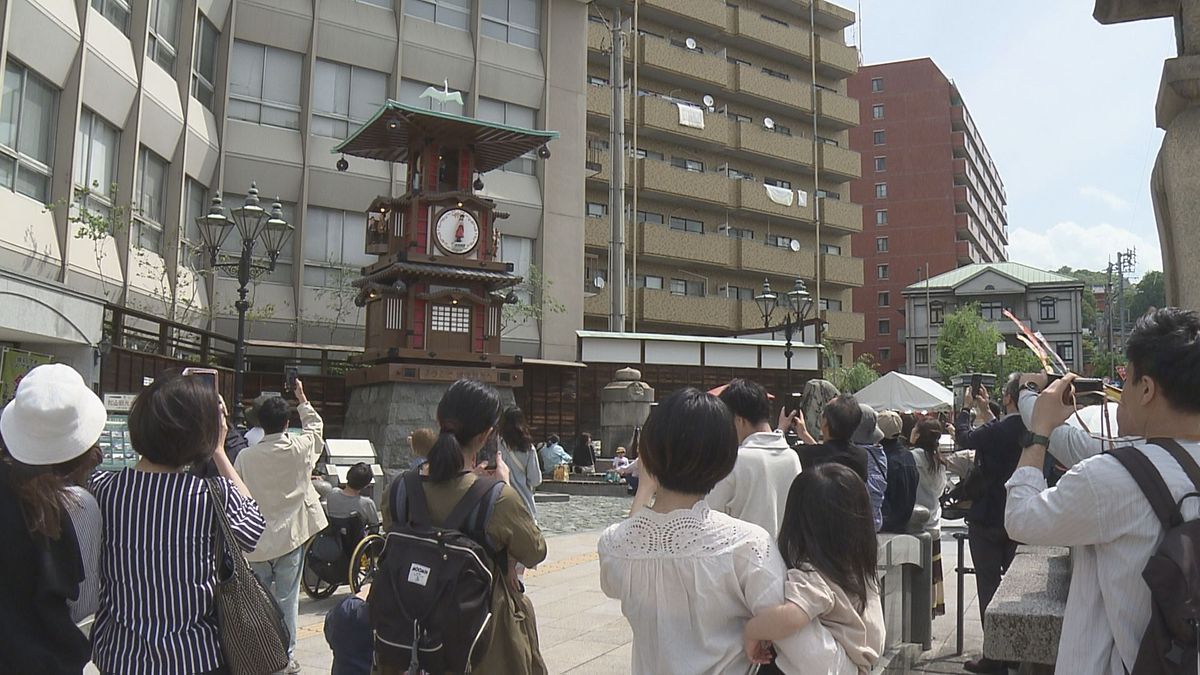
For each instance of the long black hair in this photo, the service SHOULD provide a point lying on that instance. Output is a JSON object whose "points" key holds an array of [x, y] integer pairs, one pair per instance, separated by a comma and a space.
{"points": [[827, 524], [514, 431], [467, 409], [929, 436]]}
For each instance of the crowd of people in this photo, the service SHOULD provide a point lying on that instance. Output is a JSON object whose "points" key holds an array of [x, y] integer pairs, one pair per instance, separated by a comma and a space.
{"points": [[747, 545]]}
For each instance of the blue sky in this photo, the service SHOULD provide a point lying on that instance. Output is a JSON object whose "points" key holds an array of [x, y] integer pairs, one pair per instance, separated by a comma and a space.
{"points": [[1065, 105]]}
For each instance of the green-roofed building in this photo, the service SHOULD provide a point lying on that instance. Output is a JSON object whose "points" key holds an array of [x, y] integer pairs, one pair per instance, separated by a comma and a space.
{"points": [[1047, 302]]}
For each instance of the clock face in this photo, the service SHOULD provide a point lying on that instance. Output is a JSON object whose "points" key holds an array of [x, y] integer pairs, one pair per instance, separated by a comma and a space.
{"points": [[456, 231]]}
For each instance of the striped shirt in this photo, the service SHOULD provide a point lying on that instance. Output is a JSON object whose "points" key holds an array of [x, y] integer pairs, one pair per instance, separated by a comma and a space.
{"points": [[85, 517], [157, 613]]}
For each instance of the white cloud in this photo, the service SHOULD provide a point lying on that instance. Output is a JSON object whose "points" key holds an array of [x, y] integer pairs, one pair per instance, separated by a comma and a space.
{"points": [[1080, 247], [1113, 201]]}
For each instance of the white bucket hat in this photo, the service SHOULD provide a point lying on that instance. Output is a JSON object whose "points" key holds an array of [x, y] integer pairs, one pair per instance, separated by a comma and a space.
{"points": [[54, 417]]}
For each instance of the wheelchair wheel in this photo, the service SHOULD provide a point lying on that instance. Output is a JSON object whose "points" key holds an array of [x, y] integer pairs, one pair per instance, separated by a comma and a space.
{"points": [[314, 586], [365, 561]]}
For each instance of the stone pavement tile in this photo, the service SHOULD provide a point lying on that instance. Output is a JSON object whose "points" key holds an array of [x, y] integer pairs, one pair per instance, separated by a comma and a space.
{"points": [[550, 635], [564, 656], [616, 662]]}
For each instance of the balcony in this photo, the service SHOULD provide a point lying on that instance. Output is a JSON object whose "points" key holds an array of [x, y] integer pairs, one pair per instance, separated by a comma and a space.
{"points": [[598, 304], [840, 163], [656, 306], [844, 216], [967, 227], [600, 40], [603, 159], [752, 197], [772, 148], [677, 184], [597, 232], [835, 58], [660, 119], [842, 270], [789, 43], [964, 201], [599, 101], [967, 254], [702, 16], [788, 97], [845, 326], [678, 65], [703, 249], [837, 110], [757, 256], [831, 15]]}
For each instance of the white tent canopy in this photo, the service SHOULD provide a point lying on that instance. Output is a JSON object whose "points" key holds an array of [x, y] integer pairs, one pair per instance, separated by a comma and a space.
{"points": [[906, 393]]}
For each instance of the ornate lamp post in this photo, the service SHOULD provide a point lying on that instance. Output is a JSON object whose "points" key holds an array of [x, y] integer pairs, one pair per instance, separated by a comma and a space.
{"points": [[798, 304], [254, 224]]}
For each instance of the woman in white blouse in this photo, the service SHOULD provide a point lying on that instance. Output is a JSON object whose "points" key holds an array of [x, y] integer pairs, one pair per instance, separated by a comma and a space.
{"points": [[689, 578]]}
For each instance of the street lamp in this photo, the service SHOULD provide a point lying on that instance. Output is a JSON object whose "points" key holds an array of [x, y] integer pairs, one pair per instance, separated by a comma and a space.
{"points": [[797, 303], [253, 224]]}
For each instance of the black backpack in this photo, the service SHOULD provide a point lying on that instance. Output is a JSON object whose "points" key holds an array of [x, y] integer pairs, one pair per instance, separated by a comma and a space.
{"points": [[431, 602], [1171, 643]]}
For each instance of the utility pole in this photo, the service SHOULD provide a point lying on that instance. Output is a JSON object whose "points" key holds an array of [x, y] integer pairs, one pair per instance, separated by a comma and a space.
{"points": [[1125, 266], [1108, 307], [616, 185]]}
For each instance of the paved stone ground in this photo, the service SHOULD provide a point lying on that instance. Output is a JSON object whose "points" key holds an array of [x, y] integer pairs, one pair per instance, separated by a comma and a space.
{"points": [[582, 514]]}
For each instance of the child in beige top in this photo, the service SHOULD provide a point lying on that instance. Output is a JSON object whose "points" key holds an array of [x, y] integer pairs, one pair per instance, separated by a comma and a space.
{"points": [[827, 539]]}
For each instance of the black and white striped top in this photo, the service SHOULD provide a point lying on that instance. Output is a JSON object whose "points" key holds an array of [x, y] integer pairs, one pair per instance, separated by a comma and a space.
{"points": [[157, 572]]}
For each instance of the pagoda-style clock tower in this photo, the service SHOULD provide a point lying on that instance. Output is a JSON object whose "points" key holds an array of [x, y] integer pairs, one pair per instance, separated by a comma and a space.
{"points": [[434, 299]]}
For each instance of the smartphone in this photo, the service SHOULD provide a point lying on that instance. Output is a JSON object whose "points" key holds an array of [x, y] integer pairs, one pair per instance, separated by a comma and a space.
{"points": [[976, 384], [208, 375], [290, 375], [487, 454]]}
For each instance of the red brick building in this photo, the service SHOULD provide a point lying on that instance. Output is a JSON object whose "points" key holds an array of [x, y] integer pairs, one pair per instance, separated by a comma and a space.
{"points": [[929, 190]]}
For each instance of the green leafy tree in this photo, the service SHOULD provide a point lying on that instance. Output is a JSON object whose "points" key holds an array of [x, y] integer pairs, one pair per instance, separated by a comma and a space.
{"points": [[534, 301], [1150, 292], [849, 379], [967, 344]]}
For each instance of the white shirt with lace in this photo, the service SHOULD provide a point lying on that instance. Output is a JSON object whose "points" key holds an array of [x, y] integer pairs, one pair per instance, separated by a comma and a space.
{"points": [[689, 580]]}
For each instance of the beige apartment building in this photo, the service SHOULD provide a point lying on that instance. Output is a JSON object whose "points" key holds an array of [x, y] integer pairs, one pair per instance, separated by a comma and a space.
{"points": [[175, 101], [724, 168]]}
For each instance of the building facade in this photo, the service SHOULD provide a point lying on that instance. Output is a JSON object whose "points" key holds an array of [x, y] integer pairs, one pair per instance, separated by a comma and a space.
{"points": [[1044, 301], [721, 185], [932, 197], [128, 117]]}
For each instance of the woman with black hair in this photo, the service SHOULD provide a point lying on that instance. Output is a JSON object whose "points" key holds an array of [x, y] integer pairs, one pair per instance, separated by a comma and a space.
{"points": [[931, 469], [516, 446], [467, 417]]}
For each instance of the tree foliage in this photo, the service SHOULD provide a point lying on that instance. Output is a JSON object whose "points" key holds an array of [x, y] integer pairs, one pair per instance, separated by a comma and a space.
{"points": [[534, 300], [1149, 293], [967, 344], [849, 379]]}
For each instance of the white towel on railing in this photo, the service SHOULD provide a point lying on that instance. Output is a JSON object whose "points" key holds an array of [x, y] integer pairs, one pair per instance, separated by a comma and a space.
{"points": [[780, 195], [802, 198], [690, 116]]}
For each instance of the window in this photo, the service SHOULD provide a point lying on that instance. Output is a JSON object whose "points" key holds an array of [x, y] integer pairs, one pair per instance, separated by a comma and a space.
{"points": [[880, 164], [693, 165], [736, 61], [881, 190], [776, 73], [876, 84], [829, 141], [151, 201], [344, 97], [826, 194], [385, 4], [1047, 308], [519, 252], [991, 311], [650, 217], [921, 355], [264, 85], [781, 129], [739, 233], [885, 299], [516, 22], [453, 13], [204, 65], [881, 244], [738, 117], [687, 225], [196, 196], [781, 242], [96, 148], [27, 116], [596, 210], [885, 353], [877, 111], [116, 11], [785, 184], [597, 81], [833, 305], [282, 273], [937, 313], [773, 20], [1066, 350], [160, 45], [831, 249], [881, 272], [333, 246], [885, 326], [491, 110], [881, 217], [880, 137], [450, 318], [411, 90], [739, 293], [737, 174], [687, 287], [643, 153], [650, 281]]}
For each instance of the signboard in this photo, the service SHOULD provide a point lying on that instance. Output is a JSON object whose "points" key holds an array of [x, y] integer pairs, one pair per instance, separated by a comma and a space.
{"points": [[118, 403], [14, 364]]}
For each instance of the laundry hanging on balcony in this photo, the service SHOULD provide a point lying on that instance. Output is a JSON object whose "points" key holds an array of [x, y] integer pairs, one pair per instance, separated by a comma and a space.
{"points": [[802, 198], [690, 116], [780, 195]]}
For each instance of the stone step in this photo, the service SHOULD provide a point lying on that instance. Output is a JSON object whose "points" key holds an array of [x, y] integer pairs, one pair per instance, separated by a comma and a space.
{"points": [[582, 488], [550, 498]]}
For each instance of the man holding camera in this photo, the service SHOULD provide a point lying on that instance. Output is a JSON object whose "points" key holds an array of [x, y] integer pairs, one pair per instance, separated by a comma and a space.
{"points": [[1097, 507]]}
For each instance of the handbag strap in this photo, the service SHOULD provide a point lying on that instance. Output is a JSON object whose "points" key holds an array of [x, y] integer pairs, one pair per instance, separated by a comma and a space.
{"points": [[224, 533]]}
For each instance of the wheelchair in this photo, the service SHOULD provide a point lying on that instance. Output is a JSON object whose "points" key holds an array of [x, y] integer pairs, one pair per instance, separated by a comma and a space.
{"points": [[342, 553]]}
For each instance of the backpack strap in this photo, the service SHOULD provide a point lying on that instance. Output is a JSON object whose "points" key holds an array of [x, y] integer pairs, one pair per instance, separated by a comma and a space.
{"points": [[1151, 483], [416, 507], [1190, 467], [458, 518]]}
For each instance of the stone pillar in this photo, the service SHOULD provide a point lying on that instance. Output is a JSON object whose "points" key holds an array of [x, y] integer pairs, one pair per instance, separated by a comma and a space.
{"points": [[624, 406]]}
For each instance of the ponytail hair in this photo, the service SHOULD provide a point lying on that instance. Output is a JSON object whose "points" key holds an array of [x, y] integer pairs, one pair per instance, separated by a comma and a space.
{"points": [[467, 409]]}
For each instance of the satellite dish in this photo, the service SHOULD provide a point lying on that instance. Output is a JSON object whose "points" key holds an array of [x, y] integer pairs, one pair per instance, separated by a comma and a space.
{"points": [[690, 42], [768, 123], [708, 101], [599, 282], [795, 246]]}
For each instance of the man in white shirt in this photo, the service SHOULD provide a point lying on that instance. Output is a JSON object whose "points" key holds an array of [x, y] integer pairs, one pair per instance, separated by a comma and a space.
{"points": [[1097, 508], [756, 490]]}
